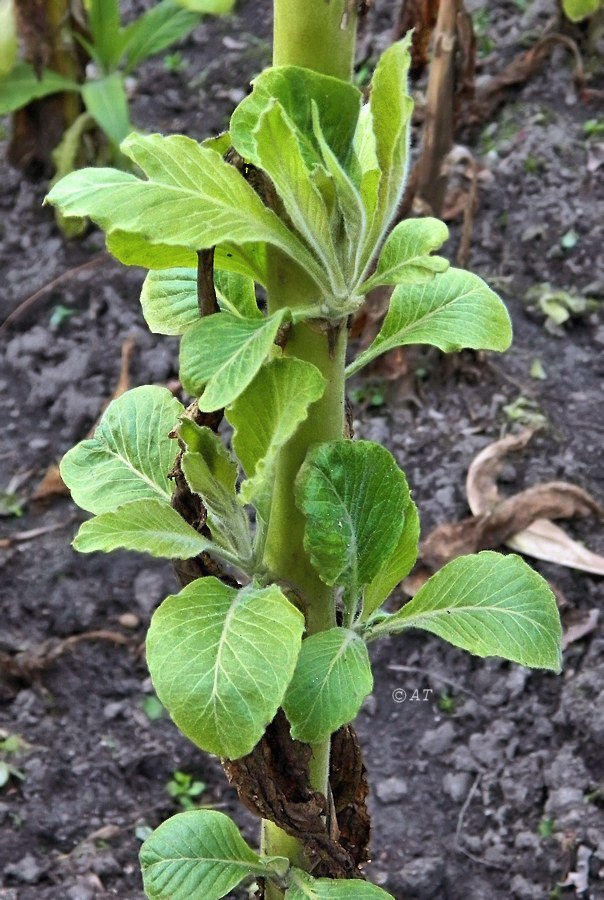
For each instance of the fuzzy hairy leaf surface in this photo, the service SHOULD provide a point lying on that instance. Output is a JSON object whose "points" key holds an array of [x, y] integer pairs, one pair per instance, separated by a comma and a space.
{"points": [[406, 255], [130, 455], [199, 855], [331, 680], [398, 565], [353, 495], [147, 526], [455, 310], [221, 659], [489, 604], [265, 416], [190, 198], [295, 89], [221, 354], [305, 887]]}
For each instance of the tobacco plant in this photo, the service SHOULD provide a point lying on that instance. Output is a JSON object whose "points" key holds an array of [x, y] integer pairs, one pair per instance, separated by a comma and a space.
{"points": [[288, 536]]}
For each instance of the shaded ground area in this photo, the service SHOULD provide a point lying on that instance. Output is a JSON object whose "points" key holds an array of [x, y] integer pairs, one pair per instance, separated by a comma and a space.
{"points": [[491, 786]]}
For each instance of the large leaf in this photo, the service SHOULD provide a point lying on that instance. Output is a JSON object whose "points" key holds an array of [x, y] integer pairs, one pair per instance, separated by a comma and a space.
{"points": [[331, 680], [295, 88], [199, 855], [279, 154], [21, 85], [133, 250], [397, 566], [169, 298], [106, 101], [353, 495], [489, 604], [305, 887], [265, 416], [221, 660], [455, 310], [405, 257], [191, 198], [211, 472], [147, 526], [391, 108], [155, 29], [130, 455], [222, 354]]}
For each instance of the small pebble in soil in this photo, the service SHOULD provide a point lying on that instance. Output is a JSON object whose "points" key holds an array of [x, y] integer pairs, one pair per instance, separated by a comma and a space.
{"points": [[26, 870], [436, 741], [422, 878], [391, 790], [456, 785]]}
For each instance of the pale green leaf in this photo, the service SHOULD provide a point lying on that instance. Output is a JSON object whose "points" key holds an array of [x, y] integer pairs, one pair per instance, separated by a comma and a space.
{"points": [[405, 257], [365, 169], [106, 101], [191, 198], [208, 7], [351, 220], [455, 310], [21, 85], [104, 25], [157, 28], [489, 604], [265, 416], [221, 660], [295, 88], [147, 526], [331, 680], [130, 455], [391, 108], [576, 10], [169, 298], [305, 887], [221, 354], [197, 855], [279, 154], [9, 44], [133, 250], [398, 565], [353, 495], [211, 472]]}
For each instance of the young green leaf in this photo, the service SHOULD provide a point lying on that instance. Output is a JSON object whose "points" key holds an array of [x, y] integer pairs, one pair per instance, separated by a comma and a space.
{"points": [[576, 10], [106, 101], [208, 7], [130, 455], [221, 659], [191, 198], [265, 416], [295, 89], [169, 298], [221, 354], [22, 85], [104, 25], [405, 257], [353, 495], [199, 854], [397, 566], [212, 473], [279, 154], [455, 310], [489, 604], [391, 108], [331, 680], [157, 28], [365, 168], [305, 887], [147, 526]]}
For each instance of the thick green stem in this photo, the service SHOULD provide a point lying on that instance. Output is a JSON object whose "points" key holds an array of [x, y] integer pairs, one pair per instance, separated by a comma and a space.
{"points": [[316, 34], [319, 35]]}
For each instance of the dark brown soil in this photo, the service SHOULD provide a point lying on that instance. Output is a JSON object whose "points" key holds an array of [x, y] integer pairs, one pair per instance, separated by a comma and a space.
{"points": [[491, 786]]}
